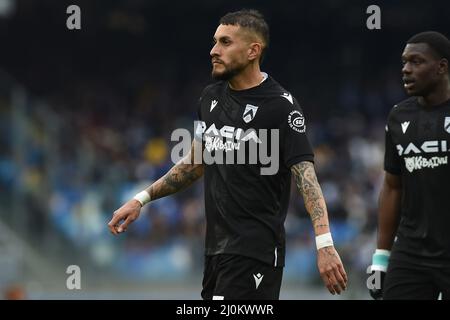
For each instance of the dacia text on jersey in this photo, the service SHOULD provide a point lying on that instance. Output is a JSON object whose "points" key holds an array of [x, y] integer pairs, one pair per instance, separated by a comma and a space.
{"points": [[228, 145], [419, 162]]}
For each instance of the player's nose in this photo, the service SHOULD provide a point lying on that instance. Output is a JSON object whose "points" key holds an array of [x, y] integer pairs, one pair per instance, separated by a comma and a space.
{"points": [[214, 51], [406, 69]]}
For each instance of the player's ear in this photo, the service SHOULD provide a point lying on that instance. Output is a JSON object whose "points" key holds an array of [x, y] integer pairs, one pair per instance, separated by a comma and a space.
{"points": [[443, 66], [254, 51]]}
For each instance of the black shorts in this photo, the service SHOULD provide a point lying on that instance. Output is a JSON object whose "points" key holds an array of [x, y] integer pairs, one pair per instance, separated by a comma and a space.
{"points": [[408, 280], [235, 277]]}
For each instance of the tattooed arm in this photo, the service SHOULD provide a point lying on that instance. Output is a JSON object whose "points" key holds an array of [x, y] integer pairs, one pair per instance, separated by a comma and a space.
{"points": [[179, 177], [328, 260], [309, 188]]}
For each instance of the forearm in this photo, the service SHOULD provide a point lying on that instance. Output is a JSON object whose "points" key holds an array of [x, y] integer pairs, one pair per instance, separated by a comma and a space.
{"points": [[389, 214], [179, 177], [309, 188], [328, 261]]}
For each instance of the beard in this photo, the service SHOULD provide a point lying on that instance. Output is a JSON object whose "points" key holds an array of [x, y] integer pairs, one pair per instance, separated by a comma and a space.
{"points": [[228, 73]]}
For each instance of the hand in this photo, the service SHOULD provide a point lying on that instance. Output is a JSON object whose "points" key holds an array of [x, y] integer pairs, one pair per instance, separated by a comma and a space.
{"points": [[127, 213], [377, 293], [331, 270]]}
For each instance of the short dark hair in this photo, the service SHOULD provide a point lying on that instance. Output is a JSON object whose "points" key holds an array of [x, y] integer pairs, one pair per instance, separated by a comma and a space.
{"points": [[252, 20], [437, 42]]}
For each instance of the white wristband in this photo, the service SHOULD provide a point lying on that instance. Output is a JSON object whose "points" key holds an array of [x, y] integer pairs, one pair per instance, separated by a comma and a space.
{"points": [[143, 197], [324, 240]]}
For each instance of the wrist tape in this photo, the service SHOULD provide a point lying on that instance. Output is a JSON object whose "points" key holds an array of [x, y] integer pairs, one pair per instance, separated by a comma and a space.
{"points": [[380, 260], [143, 197], [324, 240]]}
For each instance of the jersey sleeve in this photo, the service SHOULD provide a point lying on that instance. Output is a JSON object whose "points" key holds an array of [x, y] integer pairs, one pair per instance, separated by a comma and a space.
{"points": [[392, 161], [198, 123], [294, 144]]}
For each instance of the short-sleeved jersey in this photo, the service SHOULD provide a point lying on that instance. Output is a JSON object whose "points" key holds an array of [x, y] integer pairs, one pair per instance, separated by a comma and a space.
{"points": [[246, 206], [417, 149]]}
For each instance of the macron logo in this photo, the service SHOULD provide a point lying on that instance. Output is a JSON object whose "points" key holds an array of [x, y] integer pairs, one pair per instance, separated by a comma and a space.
{"points": [[258, 278], [405, 126], [288, 97], [213, 104]]}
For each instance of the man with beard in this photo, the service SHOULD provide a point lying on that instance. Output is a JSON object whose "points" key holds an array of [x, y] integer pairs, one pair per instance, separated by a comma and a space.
{"points": [[245, 209], [413, 203]]}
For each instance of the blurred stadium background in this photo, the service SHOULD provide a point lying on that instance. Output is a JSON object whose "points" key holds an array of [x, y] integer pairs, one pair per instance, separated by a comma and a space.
{"points": [[86, 118]]}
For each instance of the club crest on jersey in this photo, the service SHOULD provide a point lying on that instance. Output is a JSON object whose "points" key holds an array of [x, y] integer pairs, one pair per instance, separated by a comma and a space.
{"points": [[447, 124], [249, 113]]}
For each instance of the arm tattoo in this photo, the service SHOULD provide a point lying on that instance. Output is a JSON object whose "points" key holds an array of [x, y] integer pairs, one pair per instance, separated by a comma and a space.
{"points": [[178, 178], [309, 187]]}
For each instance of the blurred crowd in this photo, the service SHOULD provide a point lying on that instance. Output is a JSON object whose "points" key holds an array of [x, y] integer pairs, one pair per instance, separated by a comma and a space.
{"points": [[90, 124]]}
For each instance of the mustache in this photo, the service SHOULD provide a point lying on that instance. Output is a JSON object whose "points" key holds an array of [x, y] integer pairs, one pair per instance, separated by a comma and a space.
{"points": [[216, 60]]}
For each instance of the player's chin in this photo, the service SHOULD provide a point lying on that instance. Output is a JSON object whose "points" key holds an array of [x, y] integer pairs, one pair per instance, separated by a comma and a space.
{"points": [[218, 74], [412, 90]]}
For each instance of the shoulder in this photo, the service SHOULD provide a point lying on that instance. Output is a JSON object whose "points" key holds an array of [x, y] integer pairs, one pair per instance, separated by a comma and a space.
{"points": [[407, 104], [213, 89], [281, 99], [400, 113], [286, 110]]}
